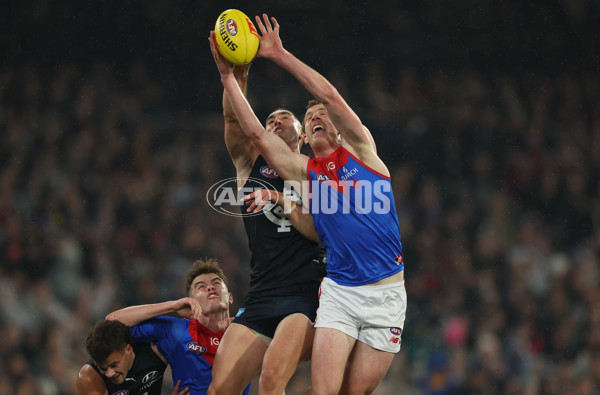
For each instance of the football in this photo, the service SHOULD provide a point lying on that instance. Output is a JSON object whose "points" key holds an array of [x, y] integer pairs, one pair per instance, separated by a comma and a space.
{"points": [[237, 38]]}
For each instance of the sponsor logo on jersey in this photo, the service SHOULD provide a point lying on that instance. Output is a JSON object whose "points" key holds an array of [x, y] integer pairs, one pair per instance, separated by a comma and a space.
{"points": [[348, 173], [331, 166], [232, 28], [398, 259], [151, 376], [268, 172], [396, 331], [395, 340], [195, 347], [322, 177], [215, 341], [121, 392]]}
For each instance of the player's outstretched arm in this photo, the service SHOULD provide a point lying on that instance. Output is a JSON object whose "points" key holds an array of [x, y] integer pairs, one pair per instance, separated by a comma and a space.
{"points": [[133, 315], [240, 147], [342, 116], [289, 165]]}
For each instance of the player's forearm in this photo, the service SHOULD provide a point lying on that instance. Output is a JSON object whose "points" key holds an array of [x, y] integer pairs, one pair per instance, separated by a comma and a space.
{"points": [[228, 111], [298, 217], [303, 223], [243, 112], [133, 315]]}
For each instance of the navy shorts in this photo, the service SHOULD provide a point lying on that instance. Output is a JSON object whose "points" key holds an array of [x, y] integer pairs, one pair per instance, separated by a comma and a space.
{"points": [[262, 312]]}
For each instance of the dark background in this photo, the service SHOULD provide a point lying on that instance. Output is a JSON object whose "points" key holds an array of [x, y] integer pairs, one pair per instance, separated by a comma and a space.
{"points": [[487, 114]]}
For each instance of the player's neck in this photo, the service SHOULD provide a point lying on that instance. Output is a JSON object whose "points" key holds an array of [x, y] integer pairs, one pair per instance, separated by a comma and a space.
{"points": [[294, 147], [213, 321], [325, 151]]}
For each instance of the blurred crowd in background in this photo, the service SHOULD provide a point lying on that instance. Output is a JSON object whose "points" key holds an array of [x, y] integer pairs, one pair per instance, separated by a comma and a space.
{"points": [[487, 114]]}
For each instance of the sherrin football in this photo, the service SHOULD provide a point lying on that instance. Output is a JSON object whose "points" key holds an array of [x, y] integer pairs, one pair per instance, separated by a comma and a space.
{"points": [[237, 38]]}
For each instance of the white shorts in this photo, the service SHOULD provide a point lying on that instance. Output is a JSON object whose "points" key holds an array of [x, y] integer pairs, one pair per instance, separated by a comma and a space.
{"points": [[372, 314]]}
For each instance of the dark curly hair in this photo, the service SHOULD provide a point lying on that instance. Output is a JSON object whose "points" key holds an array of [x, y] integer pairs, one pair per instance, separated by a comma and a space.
{"points": [[106, 337], [203, 267]]}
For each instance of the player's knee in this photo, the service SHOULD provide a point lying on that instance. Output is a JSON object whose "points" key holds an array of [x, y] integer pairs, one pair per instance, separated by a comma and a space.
{"points": [[222, 387], [323, 391], [271, 379]]}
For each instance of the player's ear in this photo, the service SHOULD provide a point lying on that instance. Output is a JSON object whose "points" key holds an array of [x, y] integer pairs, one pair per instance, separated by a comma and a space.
{"points": [[303, 137], [230, 298]]}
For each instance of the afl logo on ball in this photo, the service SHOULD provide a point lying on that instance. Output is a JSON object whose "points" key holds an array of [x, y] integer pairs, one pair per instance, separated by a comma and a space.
{"points": [[232, 28], [268, 172]]}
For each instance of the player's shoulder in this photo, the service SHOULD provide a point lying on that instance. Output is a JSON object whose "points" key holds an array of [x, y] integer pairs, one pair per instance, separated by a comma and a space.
{"points": [[89, 381]]}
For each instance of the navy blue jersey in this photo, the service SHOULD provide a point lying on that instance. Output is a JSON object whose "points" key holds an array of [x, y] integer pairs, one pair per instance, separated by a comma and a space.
{"points": [[281, 256], [145, 376]]}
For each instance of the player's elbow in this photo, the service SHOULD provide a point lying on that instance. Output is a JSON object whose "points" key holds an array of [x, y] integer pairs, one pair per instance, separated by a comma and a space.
{"points": [[230, 118], [330, 95], [255, 134]]}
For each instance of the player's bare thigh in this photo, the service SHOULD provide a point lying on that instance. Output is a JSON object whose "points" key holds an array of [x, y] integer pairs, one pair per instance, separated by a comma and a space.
{"points": [[238, 360]]}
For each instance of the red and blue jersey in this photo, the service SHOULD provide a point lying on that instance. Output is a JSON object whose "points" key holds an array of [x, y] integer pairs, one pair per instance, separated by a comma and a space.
{"points": [[189, 347], [355, 216]]}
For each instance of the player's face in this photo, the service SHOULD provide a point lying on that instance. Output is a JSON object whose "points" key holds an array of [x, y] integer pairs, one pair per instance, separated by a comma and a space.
{"points": [[318, 127], [211, 292], [117, 365], [282, 123]]}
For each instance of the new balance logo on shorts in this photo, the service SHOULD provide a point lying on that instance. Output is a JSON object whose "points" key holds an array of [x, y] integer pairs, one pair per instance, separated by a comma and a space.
{"points": [[397, 332]]}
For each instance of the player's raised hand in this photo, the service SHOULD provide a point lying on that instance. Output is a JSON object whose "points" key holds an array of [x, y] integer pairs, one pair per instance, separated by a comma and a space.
{"points": [[270, 42], [257, 200], [187, 308], [224, 66]]}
